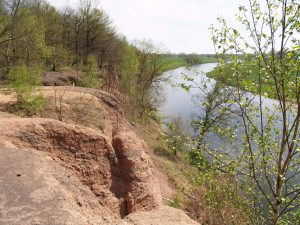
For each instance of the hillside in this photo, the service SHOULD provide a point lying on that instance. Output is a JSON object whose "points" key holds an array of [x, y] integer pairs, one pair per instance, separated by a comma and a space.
{"points": [[74, 172]]}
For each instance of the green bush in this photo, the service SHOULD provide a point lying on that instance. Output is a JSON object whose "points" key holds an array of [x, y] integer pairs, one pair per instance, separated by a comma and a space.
{"points": [[176, 201], [22, 81], [197, 158], [91, 76]]}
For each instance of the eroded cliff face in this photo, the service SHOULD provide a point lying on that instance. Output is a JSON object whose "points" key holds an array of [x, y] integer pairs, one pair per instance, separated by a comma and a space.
{"points": [[119, 173], [60, 173]]}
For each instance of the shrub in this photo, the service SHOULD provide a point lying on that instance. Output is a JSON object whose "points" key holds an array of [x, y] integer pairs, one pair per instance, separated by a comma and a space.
{"points": [[91, 76], [22, 81], [176, 201]]}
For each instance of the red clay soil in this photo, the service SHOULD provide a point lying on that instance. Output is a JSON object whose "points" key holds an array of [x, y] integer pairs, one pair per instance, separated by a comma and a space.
{"points": [[57, 173]]}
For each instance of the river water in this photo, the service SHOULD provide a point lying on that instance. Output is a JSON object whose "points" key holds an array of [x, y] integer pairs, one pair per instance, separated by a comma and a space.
{"points": [[180, 104]]}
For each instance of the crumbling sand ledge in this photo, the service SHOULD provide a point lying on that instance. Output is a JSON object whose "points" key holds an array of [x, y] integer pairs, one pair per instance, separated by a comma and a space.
{"points": [[53, 172]]}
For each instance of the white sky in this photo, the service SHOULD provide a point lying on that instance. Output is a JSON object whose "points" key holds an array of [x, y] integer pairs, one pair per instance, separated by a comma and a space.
{"points": [[180, 25]]}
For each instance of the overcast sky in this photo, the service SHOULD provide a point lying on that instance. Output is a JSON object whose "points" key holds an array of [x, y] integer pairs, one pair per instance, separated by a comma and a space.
{"points": [[180, 25]]}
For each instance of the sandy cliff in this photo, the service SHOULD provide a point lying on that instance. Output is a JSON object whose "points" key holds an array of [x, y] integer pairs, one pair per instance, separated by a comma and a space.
{"points": [[54, 172]]}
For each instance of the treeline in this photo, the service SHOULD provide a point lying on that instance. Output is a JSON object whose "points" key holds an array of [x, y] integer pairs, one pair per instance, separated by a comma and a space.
{"points": [[193, 59], [35, 36], [32, 32]]}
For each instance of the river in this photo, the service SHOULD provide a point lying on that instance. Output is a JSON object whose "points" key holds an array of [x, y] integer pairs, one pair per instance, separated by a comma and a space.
{"points": [[179, 103]]}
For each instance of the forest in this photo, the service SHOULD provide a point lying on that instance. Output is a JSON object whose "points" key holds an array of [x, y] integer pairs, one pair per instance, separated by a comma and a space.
{"points": [[35, 38]]}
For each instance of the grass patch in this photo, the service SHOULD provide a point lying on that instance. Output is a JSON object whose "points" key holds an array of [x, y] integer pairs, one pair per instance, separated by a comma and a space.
{"points": [[175, 61], [28, 108], [209, 198], [247, 78]]}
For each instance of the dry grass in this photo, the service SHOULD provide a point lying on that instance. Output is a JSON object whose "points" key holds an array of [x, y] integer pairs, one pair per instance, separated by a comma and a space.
{"points": [[66, 105], [209, 200], [74, 107]]}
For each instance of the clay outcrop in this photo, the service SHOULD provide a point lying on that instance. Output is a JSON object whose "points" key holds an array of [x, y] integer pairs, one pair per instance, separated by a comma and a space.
{"points": [[120, 174], [60, 173]]}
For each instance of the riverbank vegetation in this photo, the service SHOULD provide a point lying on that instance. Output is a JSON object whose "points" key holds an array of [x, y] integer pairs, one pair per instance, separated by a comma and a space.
{"points": [[249, 77], [207, 196], [174, 61], [261, 149]]}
